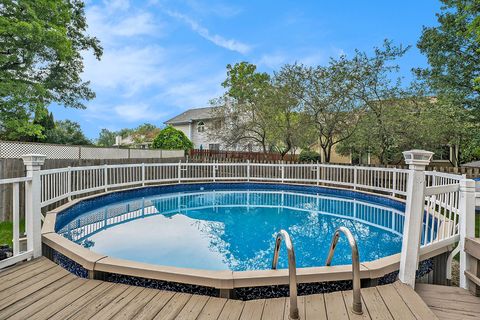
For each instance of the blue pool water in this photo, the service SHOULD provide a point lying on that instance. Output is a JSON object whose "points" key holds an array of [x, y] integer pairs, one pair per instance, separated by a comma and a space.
{"points": [[233, 226]]}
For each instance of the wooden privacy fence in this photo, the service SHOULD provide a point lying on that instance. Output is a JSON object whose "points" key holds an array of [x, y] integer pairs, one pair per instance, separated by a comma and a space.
{"points": [[209, 156], [199, 154]]}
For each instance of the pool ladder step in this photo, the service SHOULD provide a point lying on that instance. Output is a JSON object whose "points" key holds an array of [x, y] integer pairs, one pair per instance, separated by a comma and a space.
{"points": [[292, 267]]}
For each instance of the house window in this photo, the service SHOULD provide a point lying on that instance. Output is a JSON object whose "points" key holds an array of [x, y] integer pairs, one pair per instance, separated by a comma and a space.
{"points": [[214, 146], [201, 126]]}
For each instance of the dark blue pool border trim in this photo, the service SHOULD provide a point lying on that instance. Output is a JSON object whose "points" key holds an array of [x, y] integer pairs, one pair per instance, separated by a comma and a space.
{"points": [[85, 205]]}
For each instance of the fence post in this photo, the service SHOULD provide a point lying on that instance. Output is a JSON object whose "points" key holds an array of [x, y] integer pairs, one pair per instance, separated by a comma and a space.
{"points": [[248, 170], [318, 173], [179, 173], [394, 184], [33, 213], [417, 160], [283, 171], [69, 183], [467, 227], [105, 177], [143, 174], [355, 171], [214, 170]]}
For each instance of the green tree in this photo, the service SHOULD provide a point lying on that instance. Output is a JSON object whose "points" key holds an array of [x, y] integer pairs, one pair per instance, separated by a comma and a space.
{"points": [[41, 45], [378, 88], [170, 138], [45, 120], [326, 97], [244, 109], [144, 132], [106, 138], [453, 52], [67, 132]]}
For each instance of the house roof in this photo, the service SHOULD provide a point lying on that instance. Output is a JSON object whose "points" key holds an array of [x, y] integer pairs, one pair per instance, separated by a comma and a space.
{"points": [[473, 164], [192, 114]]}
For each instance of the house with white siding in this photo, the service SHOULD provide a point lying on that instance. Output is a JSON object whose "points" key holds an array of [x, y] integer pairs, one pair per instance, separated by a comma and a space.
{"points": [[196, 124]]}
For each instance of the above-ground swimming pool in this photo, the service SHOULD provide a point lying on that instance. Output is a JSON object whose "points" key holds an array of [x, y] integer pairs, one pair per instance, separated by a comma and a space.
{"points": [[222, 226]]}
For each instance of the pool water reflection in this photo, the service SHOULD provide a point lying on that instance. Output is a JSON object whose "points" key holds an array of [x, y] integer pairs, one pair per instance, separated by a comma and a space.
{"points": [[235, 229]]}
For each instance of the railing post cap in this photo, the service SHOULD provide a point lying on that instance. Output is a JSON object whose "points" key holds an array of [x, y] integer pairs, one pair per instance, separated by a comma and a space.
{"points": [[33, 159], [418, 157]]}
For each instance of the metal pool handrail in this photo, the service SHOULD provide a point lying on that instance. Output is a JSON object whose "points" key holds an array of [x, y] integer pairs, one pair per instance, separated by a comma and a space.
{"points": [[292, 269], [357, 298]]}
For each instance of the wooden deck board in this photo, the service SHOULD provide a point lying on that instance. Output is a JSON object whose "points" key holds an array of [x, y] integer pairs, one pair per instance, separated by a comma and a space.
{"points": [[449, 302], [315, 307], [40, 290], [274, 309], [150, 310], [173, 307], [19, 266], [374, 304], [193, 308], [136, 304], [50, 295], [67, 299], [40, 295], [212, 309], [335, 306]]}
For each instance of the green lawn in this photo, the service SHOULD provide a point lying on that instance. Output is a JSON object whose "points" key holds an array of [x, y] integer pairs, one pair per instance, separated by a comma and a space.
{"points": [[477, 225], [6, 231]]}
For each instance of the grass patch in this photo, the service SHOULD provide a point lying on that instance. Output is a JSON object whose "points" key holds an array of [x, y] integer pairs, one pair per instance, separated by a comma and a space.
{"points": [[6, 231], [477, 225]]}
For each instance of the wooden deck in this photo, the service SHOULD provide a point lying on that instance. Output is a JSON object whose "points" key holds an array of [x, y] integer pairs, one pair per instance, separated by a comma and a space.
{"points": [[40, 289], [450, 302]]}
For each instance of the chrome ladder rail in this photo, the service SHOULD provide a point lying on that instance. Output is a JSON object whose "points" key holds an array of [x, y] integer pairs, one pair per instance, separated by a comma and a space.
{"points": [[357, 298], [292, 270]]}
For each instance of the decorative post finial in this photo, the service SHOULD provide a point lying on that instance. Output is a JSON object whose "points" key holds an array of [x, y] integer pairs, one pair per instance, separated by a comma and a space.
{"points": [[34, 160], [417, 157]]}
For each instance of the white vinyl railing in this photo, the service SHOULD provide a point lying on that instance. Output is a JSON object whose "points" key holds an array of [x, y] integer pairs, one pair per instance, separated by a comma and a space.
{"points": [[59, 184], [442, 203], [18, 253]]}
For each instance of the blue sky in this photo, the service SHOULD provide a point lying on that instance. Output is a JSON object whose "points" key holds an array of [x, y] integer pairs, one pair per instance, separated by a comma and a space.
{"points": [[162, 57]]}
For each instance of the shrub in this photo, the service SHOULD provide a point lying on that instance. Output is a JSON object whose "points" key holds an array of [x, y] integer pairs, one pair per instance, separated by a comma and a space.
{"points": [[309, 156], [170, 138]]}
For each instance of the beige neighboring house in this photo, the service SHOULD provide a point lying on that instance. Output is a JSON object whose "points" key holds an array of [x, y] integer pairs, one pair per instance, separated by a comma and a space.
{"points": [[196, 123], [129, 142]]}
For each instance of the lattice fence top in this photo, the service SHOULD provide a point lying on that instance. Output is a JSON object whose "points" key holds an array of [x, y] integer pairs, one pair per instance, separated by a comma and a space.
{"points": [[14, 150]]}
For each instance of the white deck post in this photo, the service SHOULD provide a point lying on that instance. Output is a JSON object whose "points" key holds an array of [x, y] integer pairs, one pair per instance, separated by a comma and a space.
{"points": [[414, 210], [467, 226], [33, 213]]}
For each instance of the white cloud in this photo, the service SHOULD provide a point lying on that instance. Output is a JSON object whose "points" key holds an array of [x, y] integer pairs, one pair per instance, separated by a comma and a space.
{"points": [[230, 44], [111, 25], [113, 5], [138, 112], [127, 70], [273, 61]]}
